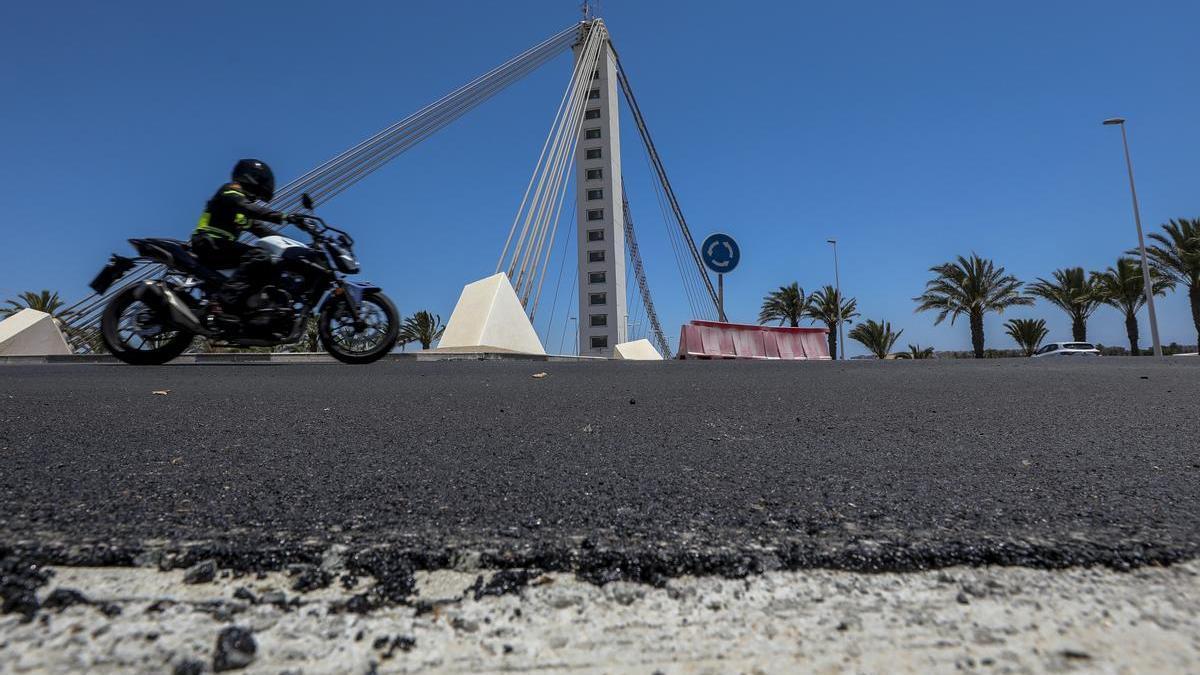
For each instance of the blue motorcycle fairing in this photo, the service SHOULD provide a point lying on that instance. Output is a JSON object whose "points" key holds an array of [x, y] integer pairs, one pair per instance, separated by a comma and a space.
{"points": [[356, 291]]}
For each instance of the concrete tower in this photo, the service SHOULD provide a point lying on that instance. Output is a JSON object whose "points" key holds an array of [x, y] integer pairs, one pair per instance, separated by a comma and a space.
{"points": [[601, 220]]}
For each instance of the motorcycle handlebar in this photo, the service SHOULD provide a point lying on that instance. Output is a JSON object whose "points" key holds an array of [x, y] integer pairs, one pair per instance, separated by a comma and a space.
{"points": [[308, 223]]}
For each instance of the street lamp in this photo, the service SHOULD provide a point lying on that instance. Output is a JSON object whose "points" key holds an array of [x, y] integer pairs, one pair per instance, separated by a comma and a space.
{"points": [[841, 339], [1137, 219]]}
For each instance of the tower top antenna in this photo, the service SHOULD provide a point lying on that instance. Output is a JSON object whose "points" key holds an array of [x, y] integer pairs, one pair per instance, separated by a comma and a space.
{"points": [[589, 9]]}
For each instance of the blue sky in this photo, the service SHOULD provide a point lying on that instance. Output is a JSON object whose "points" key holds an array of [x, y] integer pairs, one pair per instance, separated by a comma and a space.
{"points": [[910, 131]]}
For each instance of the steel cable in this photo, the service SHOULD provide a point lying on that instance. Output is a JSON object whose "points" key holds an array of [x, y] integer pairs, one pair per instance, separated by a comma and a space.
{"points": [[550, 170], [562, 177]]}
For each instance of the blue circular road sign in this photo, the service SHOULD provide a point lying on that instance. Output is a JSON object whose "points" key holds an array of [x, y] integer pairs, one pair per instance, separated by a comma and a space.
{"points": [[720, 253]]}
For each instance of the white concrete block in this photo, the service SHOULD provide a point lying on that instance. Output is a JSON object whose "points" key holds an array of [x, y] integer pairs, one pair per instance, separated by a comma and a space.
{"points": [[638, 350], [31, 333], [490, 318]]}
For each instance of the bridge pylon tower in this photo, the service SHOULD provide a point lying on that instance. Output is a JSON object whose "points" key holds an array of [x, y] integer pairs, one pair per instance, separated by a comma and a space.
{"points": [[599, 213]]}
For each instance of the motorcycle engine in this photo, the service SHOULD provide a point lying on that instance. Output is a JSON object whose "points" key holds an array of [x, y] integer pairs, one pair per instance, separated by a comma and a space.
{"points": [[270, 297], [269, 311], [293, 283]]}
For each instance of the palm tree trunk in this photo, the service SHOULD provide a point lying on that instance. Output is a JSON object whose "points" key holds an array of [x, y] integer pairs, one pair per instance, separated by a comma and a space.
{"points": [[1079, 328], [1131, 329], [831, 336], [1194, 298], [977, 332]]}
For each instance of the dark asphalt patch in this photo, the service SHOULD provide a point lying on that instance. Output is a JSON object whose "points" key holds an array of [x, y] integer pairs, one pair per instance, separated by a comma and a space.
{"points": [[19, 580], [503, 582], [719, 468]]}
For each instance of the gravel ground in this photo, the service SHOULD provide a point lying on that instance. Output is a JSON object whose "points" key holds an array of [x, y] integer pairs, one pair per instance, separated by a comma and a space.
{"points": [[1003, 620]]}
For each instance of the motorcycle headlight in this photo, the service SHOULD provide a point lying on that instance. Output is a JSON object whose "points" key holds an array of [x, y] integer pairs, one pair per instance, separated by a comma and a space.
{"points": [[345, 260]]}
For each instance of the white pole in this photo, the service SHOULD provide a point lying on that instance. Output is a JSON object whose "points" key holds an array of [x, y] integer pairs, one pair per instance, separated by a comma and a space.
{"points": [[1137, 219]]}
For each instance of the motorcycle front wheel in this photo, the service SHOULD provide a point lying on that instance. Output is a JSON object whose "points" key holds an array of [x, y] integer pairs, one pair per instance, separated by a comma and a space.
{"points": [[139, 334], [364, 341]]}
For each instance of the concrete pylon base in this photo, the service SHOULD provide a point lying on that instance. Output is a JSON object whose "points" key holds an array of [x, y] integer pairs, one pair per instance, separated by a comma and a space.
{"points": [[490, 318], [31, 333], [637, 350]]}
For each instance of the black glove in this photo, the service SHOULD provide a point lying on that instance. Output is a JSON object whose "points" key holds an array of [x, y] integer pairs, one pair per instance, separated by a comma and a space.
{"points": [[299, 221]]}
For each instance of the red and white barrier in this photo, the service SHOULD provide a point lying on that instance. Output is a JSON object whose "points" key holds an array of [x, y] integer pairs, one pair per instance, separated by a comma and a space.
{"points": [[717, 340]]}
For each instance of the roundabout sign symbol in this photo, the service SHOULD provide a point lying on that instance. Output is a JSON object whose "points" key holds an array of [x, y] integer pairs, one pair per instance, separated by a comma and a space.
{"points": [[721, 255], [720, 252]]}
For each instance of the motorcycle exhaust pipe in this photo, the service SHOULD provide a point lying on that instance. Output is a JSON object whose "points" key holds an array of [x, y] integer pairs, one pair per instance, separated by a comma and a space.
{"points": [[155, 294]]}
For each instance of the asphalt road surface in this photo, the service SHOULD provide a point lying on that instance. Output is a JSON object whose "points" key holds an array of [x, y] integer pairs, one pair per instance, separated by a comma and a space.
{"points": [[621, 469]]}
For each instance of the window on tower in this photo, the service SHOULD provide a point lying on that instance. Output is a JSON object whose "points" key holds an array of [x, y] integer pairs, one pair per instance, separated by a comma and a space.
{"points": [[599, 320], [595, 214], [593, 94], [595, 235], [594, 194], [592, 153], [599, 342], [597, 277], [591, 133], [595, 174], [598, 299], [593, 114], [595, 256]]}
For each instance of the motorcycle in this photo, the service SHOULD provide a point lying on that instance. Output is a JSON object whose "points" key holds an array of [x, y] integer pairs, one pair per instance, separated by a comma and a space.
{"points": [[156, 320]]}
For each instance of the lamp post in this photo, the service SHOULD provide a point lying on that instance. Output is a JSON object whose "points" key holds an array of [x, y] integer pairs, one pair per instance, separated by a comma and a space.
{"points": [[841, 342], [1137, 219], [631, 328]]}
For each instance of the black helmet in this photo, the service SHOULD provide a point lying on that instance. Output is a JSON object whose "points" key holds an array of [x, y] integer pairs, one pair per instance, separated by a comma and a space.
{"points": [[256, 177]]}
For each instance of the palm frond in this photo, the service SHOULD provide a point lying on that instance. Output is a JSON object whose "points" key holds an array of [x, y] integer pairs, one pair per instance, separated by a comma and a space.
{"points": [[1027, 333], [785, 305], [423, 327], [877, 336]]}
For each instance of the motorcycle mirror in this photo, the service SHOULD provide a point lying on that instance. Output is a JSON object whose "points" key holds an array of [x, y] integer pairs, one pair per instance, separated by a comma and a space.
{"points": [[306, 201]]}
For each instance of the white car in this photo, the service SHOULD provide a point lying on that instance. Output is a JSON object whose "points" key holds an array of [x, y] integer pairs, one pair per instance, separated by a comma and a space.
{"points": [[1067, 349]]}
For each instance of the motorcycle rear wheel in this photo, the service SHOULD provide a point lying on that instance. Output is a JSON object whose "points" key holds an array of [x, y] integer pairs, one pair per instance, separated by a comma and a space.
{"points": [[139, 334], [346, 343]]}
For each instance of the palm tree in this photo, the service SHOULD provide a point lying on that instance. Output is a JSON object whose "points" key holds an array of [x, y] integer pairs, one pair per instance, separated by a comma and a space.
{"points": [[973, 286], [422, 327], [916, 352], [1124, 288], [877, 337], [824, 306], [1072, 292], [1176, 255], [45, 301], [785, 304], [1027, 333]]}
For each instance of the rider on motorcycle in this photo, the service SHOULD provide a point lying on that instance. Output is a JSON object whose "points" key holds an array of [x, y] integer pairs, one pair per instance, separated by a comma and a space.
{"points": [[234, 209], [149, 321]]}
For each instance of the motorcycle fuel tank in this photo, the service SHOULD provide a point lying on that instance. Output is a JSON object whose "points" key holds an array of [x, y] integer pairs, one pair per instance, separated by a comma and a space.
{"points": [[277, 244]]}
